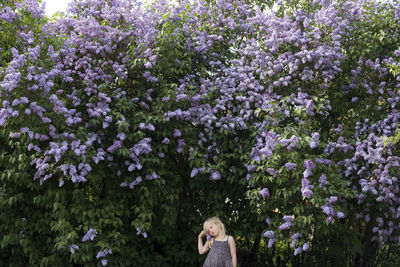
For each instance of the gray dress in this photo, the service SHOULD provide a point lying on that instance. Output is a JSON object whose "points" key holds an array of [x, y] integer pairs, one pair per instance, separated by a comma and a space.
{"points": [[219, 255]]}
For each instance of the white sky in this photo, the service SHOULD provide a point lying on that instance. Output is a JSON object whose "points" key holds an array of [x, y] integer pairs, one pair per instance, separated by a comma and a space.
{"points": [[52, 6]]}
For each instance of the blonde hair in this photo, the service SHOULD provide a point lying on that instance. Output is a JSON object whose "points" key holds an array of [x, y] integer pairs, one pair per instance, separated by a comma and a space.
{"points": [[215, 220]]}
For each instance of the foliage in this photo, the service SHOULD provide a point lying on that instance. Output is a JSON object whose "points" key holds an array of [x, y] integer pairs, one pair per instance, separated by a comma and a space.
{"points": [[125, 125]]}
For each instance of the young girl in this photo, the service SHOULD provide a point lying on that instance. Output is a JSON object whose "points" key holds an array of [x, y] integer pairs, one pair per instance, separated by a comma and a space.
{"points": [[222, 247]]}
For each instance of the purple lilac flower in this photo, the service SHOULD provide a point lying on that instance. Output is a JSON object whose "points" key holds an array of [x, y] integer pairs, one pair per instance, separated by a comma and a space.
{"points": [[307, 173], [285, 226], [309, 164], [132, 184], [194, 172], [91, 234], [116, 145], [294, 142], [306, 188], [121, 136], [323, 161], [103, 253], [7, 14], [149, 126], [295, 237], [139, 231], [264, 193], [142, 147], [314, 140], [290, 166], [287, 218], [310, 107], [339, 128], [397, 52], [251, 168], [72, 248], [340, 215], [267, 148], [290, 143], [181, 145], [271, 242], [269, 234], [298, 250], [177, 133], [15, 135], [152, 176], [322, 181], [271, 171], [215, 175]]}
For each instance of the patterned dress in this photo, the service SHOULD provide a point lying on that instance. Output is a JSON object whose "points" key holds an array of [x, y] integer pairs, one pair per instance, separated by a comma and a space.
{"points": [[219, 255]]}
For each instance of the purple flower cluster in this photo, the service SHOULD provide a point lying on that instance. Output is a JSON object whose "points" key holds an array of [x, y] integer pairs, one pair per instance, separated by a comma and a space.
{"points": [[323, 182], [328, 209], [70, 110], [7, 14], [290, 166], [264, 149], [271, 235], [314, 140], [287, 224], [132, 184], [181, 145], [103, 253], [90, 235], [306, 187], [295, 237], [290, 143], [152, 176], [73, 248], [148, 126], [295, 240], [264, 193], [215, 175], [139, 231]]}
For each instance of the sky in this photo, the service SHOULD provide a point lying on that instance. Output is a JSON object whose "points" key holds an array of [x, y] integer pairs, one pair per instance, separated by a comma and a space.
{"points": [[52, 6]]}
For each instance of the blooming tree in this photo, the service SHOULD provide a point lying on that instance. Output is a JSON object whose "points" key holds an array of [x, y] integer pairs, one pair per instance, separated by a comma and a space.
{"points": [[277, 118]]}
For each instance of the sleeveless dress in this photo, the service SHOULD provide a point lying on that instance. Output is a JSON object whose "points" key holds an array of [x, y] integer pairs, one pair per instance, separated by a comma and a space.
{"points": [[219, 255]]}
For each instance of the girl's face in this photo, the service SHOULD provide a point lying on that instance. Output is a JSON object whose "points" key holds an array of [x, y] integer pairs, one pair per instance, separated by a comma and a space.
{"points": [[213, 229]]}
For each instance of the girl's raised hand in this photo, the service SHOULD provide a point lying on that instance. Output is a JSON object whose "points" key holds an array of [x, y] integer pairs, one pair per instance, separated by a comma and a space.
{"points": [[202, 233]]}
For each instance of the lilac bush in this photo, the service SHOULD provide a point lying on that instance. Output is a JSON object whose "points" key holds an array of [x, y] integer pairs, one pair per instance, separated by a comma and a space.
{"points": [[292, 77], [289, 105]]}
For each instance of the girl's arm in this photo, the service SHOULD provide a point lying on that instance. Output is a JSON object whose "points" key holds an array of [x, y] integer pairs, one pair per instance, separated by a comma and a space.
{"points": [[232, 248], [202, 248]]}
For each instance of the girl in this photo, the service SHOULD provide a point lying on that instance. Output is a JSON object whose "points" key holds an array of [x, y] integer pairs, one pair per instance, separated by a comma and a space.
{"points": [[223, 247]]}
